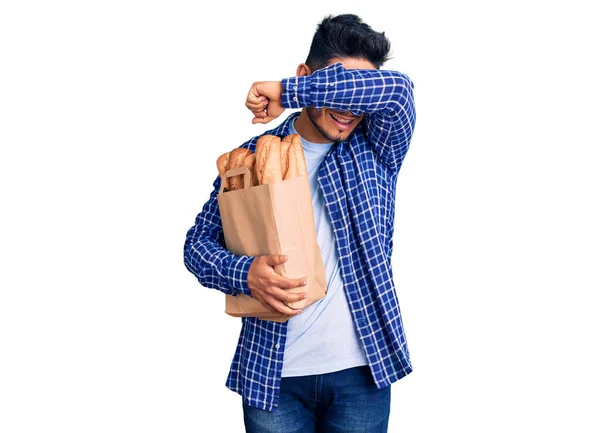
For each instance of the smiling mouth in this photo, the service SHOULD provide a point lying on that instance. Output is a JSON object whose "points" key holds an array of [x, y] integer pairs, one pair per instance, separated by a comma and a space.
{"points": [[344, 122]]}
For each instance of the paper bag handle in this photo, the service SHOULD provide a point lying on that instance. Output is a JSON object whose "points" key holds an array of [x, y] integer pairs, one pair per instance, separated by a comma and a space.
{"points": [[243, 170]]}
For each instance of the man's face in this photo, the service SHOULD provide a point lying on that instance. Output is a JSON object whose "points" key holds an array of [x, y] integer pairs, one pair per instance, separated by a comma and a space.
{"points": [[337, 125]]}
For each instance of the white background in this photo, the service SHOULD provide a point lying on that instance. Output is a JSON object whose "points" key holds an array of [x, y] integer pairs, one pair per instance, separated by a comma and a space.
{"points": [[111, 117]]}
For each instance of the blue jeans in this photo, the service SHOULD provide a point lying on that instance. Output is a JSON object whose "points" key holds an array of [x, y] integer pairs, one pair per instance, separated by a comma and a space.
{"points": [[345, 401]]}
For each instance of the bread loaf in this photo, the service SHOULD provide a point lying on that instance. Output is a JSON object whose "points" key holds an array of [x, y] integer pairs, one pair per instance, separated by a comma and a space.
{"points": [[268, 159], [285, 157], [250, 163], [289, 158], [297, 147], [236, 159], [274, 160], [222, 162]]}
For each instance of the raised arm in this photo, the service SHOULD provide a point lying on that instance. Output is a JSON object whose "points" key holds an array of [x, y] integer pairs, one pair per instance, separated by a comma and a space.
{"points": [[385, 96]]}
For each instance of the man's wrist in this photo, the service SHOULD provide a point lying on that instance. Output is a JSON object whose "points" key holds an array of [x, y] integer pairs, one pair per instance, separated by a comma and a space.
{"points": [[295, 92], [237, 275]]}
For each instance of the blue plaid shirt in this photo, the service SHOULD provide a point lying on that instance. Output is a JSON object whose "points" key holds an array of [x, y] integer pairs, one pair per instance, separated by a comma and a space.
{"points": [[358, 178]]}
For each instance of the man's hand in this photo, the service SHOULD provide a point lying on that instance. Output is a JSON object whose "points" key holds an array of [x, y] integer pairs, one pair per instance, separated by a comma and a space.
{"points": [[264, 100], [269, 288]]}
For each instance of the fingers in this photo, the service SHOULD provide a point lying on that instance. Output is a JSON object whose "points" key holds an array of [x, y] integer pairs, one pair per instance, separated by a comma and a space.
{"points": [[255, 104], [264, 101], [263, 112], [278, 307], [288, 283], [285, 310], [277, 300], [273, 259], [277, 280], [284, 296], [259, 110], [273, 290]]}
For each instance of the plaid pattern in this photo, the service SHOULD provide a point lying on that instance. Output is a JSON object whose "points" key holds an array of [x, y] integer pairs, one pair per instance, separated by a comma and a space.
{"points": [[358, 178]]}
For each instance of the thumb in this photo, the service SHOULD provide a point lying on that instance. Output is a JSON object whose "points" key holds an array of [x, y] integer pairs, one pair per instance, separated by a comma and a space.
{"points": [[263, 120], [274, 259], [274, 109]]}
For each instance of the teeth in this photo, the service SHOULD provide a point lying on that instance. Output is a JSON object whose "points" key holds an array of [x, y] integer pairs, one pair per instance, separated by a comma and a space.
{"points": [[345, 122]]}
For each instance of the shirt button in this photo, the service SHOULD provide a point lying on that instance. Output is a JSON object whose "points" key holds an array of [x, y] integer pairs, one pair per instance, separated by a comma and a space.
{"points": [[331, 84], [295, 99], [295, 87], [277, 346]]}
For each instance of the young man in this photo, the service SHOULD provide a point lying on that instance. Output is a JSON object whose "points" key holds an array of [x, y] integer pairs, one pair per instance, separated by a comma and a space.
{"points": [[328, 368]]}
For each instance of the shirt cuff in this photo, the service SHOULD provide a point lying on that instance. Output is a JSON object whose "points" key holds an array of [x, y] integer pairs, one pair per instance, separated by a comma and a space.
{"points": [[237, 274], [296, 92]]}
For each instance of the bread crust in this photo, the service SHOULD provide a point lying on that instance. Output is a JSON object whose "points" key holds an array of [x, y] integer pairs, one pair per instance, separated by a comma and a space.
{"points": [[284, 157], [275, 160], [236, 159], [301, 163], [268, 159], [288, 154], [250, 163], [222, 162]]}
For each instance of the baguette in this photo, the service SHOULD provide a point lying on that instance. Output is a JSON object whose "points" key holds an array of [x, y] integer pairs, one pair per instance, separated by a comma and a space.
{"points": [[222, 162], [297, 143], [250, 163], [268, 159], [289, 158], [236, 159]]}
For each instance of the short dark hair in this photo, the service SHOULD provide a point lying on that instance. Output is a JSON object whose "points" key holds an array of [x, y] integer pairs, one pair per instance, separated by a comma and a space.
{"points": [[347, 36]]}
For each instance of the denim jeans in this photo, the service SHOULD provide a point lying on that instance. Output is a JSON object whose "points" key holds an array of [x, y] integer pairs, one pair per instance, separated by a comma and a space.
{"points": [[345, 401]]}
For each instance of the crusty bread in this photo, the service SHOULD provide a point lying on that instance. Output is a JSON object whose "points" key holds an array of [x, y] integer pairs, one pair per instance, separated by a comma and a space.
{"points": [[222, 162], [297, 144], [268, 159], [250, 162], [284, 150], [274, 160], [236, 159], [288, 156]]}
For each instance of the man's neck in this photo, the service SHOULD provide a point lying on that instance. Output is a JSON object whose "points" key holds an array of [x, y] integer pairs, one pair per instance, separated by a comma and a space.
{"points": [[307, 130]]}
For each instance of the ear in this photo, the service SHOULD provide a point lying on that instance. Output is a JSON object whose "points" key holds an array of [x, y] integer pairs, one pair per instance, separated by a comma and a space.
{"points": [[303, 70]]}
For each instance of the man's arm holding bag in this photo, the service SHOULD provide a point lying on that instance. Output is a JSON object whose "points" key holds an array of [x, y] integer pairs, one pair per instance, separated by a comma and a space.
{"points": [[207, 259], [215, 267]]}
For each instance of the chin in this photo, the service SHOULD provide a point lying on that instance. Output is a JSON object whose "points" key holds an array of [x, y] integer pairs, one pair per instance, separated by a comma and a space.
{"points": [[327, 127], [339, 136], [334, 134]]}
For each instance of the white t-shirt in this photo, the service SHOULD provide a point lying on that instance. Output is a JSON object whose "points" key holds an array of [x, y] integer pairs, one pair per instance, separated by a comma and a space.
{"points": [[322, 339]]}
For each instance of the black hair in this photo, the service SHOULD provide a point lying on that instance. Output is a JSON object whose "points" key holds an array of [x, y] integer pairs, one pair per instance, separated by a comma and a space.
{"points": [[347, 36]]}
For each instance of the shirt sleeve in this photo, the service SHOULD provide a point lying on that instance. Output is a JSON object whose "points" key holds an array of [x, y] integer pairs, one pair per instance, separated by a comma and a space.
{"points": [[206, 257], [385, 96]]}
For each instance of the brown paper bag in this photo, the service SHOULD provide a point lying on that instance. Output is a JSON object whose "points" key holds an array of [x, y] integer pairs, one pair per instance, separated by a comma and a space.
{"points": [[273, 219]]}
